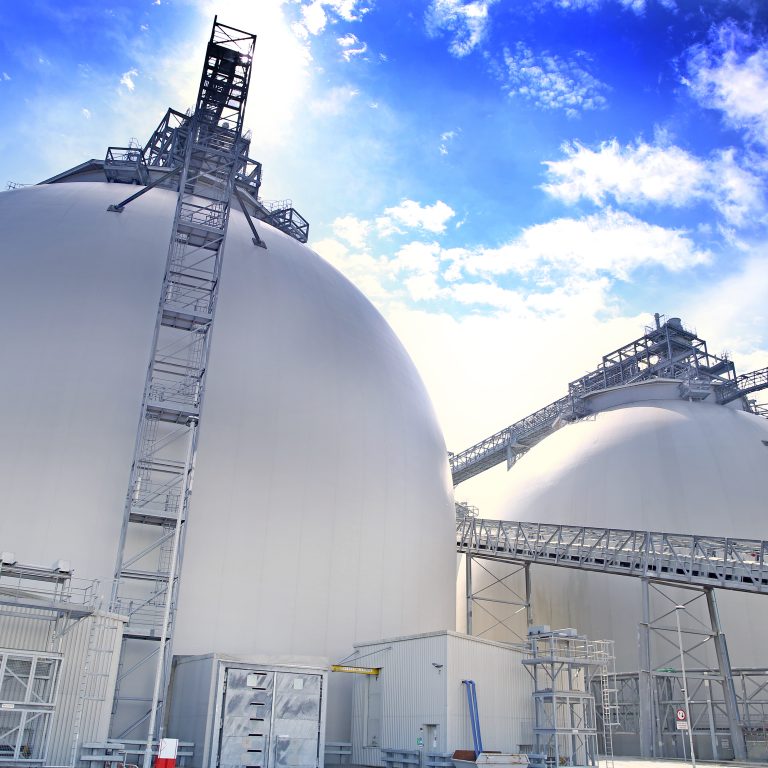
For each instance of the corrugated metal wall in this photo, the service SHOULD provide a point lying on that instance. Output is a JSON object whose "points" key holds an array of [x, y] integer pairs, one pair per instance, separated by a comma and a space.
{"points": [[413, 693], [421, 685], [34, 635], [504, 694]]}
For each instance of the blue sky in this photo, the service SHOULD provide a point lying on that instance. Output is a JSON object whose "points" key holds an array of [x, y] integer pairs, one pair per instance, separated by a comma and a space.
{"points": [[517, 186]]}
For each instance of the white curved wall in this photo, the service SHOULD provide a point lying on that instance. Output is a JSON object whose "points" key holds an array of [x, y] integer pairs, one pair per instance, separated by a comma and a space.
{"points": [[322, 510], [651, 464]]}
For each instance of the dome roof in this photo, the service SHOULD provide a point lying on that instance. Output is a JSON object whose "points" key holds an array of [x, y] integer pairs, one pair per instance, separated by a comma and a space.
{"points": [[651, 462], [322, 492]]}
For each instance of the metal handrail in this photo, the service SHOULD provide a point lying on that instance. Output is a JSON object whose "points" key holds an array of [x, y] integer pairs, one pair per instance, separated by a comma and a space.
{"points": [[704, 561]]}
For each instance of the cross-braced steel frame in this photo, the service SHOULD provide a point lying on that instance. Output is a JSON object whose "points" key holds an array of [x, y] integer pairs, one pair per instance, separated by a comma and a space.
{"points": [[708, 711], [208, 152], [562, 666], [661, 561]]}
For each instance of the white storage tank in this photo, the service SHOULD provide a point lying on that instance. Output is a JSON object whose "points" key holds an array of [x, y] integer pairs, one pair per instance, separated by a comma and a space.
{"points": [[322, 492], [651, 461]]}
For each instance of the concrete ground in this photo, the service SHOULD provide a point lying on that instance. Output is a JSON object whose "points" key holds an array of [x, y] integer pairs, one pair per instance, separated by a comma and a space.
{"points": [[637, 762]]}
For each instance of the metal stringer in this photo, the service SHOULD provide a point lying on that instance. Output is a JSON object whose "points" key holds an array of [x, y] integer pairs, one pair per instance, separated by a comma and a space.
{"points": [[151, 547]]}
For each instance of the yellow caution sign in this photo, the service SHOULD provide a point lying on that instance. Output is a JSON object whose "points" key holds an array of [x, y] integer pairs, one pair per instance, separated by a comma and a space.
{"points": [[356, 670]]}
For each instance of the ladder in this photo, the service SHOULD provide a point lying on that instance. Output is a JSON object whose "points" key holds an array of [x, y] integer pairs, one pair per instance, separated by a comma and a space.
{"points": [[95, 674], [209, 150], [609, 707]]}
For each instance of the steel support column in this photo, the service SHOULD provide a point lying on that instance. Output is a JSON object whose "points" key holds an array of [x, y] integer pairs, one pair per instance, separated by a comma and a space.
{"points": [[729, 689], [468, 565], [647, 741], [528, 596]]}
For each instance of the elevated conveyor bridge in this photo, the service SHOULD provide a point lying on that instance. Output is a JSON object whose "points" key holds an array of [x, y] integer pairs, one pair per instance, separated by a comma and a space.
{"points": [[674, 558]]}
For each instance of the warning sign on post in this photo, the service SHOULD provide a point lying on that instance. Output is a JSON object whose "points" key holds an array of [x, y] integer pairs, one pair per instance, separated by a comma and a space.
{"points": [[681, 718]]}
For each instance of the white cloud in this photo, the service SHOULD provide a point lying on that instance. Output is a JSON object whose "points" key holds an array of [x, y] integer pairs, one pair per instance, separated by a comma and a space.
{"points": [[735, 192], [612, 243], [86, 113], [730, 73], [367, 272], [629, 174], [334, 102], [313, 17], [551, 82], [417, 257], [445, 140], [351, 46], [349, 10], [316, 14], [467, 22], [351, 229], [666, 175], [638, 6], [419, 264], [127, 79], [488, 294], [423, 287], [6, 76], [413, 215], [733, 311]]}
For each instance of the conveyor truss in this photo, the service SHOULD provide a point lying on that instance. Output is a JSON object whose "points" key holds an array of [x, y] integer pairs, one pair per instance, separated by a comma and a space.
{"points": [[667, 352], [675, 558]]}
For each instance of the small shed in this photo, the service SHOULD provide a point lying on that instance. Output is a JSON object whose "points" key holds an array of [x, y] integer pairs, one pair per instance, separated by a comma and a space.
{"points": [[418, 701], [249, 712]]}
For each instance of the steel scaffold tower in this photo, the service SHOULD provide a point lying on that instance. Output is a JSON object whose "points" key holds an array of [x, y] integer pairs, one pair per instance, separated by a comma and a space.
{"points": [[211, 150], [562, 665]]}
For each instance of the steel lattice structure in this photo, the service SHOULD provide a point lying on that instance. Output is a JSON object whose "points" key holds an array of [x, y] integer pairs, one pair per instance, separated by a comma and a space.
{"points": [[676, 558], [208, 153], [668, 351]]}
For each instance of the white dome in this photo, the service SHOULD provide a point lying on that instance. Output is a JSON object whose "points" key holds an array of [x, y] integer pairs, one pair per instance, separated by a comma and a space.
{"points": [[322, 510], [652, 462]]}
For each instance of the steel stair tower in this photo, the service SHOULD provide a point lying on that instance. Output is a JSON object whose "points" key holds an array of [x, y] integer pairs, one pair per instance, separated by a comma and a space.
{"points": [[209, 151]]}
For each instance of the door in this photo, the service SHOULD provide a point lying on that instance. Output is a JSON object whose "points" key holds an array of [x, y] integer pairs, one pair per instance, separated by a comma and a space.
{"points": [[246, 722], [270, 719], [296, 726]]}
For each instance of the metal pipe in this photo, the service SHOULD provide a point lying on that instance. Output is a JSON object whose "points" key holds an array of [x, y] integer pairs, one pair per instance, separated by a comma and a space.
{"points": [[474, 715], [679, 608], [118, 207]]}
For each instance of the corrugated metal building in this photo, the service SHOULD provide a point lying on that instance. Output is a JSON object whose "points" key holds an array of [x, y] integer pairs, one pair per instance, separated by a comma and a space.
{"points": [[56, 693], [249, 712], [417, 701]]}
